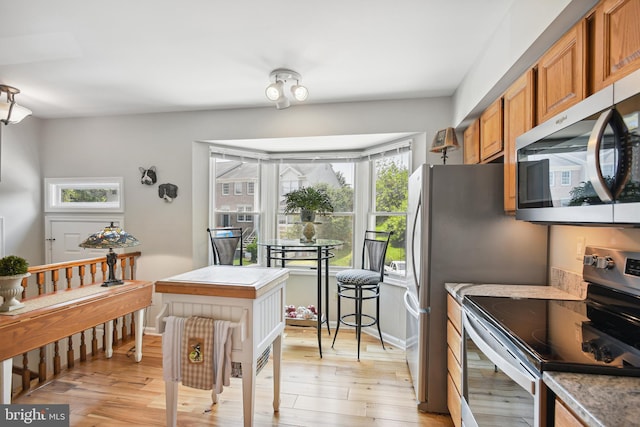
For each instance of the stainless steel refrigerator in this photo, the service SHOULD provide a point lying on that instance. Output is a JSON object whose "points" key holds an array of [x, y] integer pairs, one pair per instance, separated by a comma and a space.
{"points": [[458, 232]]}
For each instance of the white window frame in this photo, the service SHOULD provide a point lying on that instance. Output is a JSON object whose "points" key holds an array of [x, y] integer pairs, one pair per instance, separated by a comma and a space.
{"points": [[237, 188], [226, 189], [566, 174], [251, 188], [54, 188]]}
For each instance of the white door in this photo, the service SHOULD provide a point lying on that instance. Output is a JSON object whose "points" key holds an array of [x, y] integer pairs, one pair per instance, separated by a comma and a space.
{"points": [[64, 235]]}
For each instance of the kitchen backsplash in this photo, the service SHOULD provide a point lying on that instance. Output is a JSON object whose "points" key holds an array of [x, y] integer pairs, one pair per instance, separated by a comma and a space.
{"points": [[569, 282]]}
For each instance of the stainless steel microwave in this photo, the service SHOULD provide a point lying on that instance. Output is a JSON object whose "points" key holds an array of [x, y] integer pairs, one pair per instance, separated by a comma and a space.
{"points": [[583, 165]]}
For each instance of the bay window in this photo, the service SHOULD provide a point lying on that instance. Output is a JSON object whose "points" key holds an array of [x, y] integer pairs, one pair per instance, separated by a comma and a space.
{"points": [[368, 190]]}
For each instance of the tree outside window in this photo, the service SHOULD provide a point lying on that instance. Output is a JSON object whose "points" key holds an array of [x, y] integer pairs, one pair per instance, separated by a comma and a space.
{"points": [[390, 207], [337, 180]]}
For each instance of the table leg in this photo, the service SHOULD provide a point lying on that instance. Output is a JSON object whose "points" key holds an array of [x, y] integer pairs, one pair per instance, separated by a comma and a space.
{"points": [[5, 378], [138, 317], [248, 391], [326, 288], [277, 357], [108, 342], [268, 256], [319, 299], [171, 402]]}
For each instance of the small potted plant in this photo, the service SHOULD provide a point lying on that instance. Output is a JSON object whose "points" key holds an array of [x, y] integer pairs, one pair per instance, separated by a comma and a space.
{"points": [[309, 201], [12, 270]]}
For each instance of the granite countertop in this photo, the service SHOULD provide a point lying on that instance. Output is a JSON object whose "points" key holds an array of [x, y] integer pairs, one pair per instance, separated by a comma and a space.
{"points": [[459, 290], [600, 400]]}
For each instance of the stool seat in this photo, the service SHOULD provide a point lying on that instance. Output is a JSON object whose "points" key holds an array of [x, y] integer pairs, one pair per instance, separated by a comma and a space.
{"points": [[358, 276]]}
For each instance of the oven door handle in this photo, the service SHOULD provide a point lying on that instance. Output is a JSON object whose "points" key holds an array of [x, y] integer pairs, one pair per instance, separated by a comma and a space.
{"points": [[519, 374]]}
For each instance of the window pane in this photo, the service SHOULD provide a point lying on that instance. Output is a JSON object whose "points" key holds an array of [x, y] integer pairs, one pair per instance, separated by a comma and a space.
{"points": [[337, 180], [392, 177], [390, 205], [237, 210]]}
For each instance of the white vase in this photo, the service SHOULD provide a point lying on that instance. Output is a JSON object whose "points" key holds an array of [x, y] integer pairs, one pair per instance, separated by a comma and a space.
{"points": [[10, 288]]}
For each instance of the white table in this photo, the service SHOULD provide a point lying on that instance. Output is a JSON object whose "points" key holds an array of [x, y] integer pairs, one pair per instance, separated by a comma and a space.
{"points": [[251, 297]]}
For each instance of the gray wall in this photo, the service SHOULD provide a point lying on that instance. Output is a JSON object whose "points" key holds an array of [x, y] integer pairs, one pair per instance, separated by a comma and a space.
{"points": [[21, 190], [172, 234]]}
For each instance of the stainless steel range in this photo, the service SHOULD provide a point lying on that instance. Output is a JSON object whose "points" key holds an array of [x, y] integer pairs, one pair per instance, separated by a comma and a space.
{"points": [[510, 342]]}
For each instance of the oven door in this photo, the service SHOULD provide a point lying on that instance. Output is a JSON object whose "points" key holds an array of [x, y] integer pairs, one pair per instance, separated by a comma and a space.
{"points": [[499, 388]]}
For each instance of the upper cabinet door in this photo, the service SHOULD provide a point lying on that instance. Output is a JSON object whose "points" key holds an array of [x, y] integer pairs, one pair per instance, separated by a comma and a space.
{"points": [[491, 139], [518, 119], [616, 41], [562, 73], [472, 143]]}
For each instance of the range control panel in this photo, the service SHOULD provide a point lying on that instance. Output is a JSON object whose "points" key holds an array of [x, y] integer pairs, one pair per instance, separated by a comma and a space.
{"points": [[633, 267], [612, 267]]}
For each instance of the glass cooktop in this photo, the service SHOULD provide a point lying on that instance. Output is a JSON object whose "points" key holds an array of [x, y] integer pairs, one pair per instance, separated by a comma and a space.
{"points": [[572, 336]]}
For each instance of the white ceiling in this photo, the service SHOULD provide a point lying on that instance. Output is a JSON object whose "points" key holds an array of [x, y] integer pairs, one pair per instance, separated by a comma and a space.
{"points": [[74, 58]]}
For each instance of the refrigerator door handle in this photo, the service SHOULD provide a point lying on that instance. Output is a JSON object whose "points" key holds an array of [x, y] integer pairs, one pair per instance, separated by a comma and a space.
{"points": [[413, 243], [411, 304]]}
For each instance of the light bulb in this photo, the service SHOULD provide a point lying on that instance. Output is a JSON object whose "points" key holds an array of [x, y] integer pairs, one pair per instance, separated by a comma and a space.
{"points": [[300, 93], [274, 91]]}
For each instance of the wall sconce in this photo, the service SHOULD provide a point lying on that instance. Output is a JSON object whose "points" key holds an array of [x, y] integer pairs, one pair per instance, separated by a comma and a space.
{"points": [[10, 112], [445, 139], [282, 79]]}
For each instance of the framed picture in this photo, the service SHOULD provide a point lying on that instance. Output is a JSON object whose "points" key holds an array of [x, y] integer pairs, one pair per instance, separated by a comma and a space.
{"points": [[84, 194]]}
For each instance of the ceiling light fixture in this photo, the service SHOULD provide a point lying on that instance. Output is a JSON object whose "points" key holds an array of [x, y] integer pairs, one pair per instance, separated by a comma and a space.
{"points": [[281, 78], [10, 112]]}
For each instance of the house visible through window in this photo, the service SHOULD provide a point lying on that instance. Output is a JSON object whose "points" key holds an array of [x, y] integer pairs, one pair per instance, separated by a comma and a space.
{"points": [[245, 217], [237, 210]]}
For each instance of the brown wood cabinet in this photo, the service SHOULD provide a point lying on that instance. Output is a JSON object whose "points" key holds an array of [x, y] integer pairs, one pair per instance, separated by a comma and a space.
{"points": [[563, 416], [518, 118], [616, 41], [471, 143], [454, 360], [561, 73], [491, 131]]}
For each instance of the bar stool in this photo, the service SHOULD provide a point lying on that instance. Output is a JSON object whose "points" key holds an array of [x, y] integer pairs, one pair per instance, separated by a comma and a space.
{"points": [[361, 284], [224, 243]]}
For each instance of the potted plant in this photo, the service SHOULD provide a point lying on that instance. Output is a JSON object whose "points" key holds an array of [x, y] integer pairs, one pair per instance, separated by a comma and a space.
{"points": [[309, 201], [12, 270]]}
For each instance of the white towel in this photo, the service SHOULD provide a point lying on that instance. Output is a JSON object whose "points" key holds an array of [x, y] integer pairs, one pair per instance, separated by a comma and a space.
{"points": [[171, 346], [222, 355]]}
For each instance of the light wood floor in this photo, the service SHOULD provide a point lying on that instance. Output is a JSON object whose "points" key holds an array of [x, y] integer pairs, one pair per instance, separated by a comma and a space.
{"points": [[336, 390]]}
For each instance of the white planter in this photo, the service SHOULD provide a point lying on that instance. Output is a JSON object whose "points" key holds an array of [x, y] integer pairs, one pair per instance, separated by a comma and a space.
{"points": [[10, 288]]}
